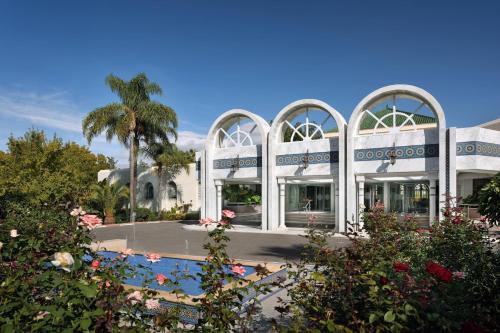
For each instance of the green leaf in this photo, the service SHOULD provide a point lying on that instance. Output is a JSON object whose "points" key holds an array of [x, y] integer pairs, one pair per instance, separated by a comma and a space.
{"points": [[87, 291], [389, 316], [85, 323], [373, 317]]}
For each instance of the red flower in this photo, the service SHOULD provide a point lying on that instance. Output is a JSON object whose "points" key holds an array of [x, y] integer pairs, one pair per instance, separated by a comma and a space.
{"points": [[400, 267], [438, 271], [384, 280], [95, 264], [471, 327], [456, 220]]}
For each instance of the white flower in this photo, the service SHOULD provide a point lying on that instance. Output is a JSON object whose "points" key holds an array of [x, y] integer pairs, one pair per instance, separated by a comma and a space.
{"points": [[13, 233], [77, 211], [64, 260], [152, 304], [134, 297], [41, 314]]}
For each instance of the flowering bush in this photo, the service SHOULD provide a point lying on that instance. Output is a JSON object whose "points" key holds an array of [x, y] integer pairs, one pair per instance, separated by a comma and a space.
{"points": [[401, 279], [50, 281]]}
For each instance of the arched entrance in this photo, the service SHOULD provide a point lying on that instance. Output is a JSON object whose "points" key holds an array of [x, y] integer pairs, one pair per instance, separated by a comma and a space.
{"points": [[235, 168]]}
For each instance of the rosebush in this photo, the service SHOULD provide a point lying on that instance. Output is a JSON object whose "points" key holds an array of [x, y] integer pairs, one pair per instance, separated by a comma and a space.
{"points": [[400, 279]]}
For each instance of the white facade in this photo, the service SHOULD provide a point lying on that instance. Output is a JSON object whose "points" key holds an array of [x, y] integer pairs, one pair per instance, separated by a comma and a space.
{"points": [[164, 195], [407, 160]]}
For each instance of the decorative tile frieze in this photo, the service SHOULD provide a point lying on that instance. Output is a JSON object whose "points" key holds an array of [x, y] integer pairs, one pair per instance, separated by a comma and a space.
{"points": [[314, 158], [243, 162], [478, 148], [402, 152]]}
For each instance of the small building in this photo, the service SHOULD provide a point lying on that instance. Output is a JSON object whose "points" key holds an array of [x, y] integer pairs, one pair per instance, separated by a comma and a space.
{"points": [[163, 195]]}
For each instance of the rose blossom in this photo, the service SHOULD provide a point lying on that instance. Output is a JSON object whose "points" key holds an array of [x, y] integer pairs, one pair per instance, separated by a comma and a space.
{"points": [[95, 264], [134, 297], [438, 271], [161, 279], [224, 222], [127, 252], [207, 221], [238, 269], [90, 221], [228, 214], [64, 260], [152, 304], [153, 257], [41, 314], [77, 211], [458, 275], [13, 233], [400, 267]]}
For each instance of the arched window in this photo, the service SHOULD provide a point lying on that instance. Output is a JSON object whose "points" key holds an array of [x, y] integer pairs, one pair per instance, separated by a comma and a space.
{"points": [[309, 123], [150, 191], [172, 190], [238, 132], [396, 113]]}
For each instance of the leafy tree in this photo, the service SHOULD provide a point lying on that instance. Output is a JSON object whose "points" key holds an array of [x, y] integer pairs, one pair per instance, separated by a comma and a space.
{"points": [[36, 171], [489, 198], [109, 197], [168, 160], [134, 120]]}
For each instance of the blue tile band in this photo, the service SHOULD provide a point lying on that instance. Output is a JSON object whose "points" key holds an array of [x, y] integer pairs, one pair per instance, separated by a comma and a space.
{"points": [[243, 162], [314, 158], [402, 152], [478, 148]]}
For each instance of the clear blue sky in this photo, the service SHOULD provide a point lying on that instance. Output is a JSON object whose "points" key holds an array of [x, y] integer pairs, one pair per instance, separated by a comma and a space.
{"points": [[210, 56]]}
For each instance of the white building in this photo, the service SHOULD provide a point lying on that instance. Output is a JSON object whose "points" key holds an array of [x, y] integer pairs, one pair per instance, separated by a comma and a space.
{"points": [[180, 190], [395, 149]]}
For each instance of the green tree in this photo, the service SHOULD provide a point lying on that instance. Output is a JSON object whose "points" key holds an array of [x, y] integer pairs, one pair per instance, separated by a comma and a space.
{"points": [[169, 161], [134, 120], [489, 199], [109, 197], [36, 171]]}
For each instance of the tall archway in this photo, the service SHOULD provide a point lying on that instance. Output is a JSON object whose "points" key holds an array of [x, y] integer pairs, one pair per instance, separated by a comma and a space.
{"points": [[307, 164], [235, 153], [396, 143]]}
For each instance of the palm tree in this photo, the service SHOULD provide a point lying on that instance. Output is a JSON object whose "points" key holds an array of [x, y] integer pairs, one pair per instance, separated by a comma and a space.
{"points": [[109, 197], [135, 120], [169, 162]]}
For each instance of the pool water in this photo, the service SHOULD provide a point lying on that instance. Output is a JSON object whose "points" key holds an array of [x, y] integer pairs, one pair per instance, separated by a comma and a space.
{"points": [[167, 266]]}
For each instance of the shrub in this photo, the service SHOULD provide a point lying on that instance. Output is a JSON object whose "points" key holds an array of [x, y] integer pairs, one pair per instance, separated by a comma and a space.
{"points": [[145, 214], [400, 279], [489, 199]]}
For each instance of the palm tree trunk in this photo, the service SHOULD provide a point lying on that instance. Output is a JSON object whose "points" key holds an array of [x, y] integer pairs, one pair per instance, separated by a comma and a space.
{"points": [[133, 175]]}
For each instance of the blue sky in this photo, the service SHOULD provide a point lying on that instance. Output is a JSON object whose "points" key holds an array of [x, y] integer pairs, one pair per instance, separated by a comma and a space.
{"points": [[210, 56]]}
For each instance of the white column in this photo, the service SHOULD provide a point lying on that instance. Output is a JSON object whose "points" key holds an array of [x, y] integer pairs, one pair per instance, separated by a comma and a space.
{"points": [[387, 196], [281, 184], [361, 199], [218, 201], [432, 200]]}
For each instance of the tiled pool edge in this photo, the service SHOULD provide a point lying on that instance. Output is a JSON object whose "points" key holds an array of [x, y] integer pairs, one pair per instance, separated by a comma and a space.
{"points": [[189, 314]]}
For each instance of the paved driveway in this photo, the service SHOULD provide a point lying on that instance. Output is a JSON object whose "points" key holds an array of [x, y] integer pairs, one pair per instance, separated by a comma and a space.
{"points": [[171, 237]]}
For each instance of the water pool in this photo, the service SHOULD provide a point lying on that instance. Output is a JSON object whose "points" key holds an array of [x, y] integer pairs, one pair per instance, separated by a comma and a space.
{"points": [[166, 266]]}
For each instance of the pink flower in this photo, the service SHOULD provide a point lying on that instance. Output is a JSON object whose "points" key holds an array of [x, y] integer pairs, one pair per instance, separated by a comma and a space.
{"points": [[483, 219], [207, 221], [95, 264], [238, 269], [134, 297], [90, 221], [152, 304], [228, 214], [224, 222], [458, 275], [127, 252], [153, 257], [161, 279]]}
